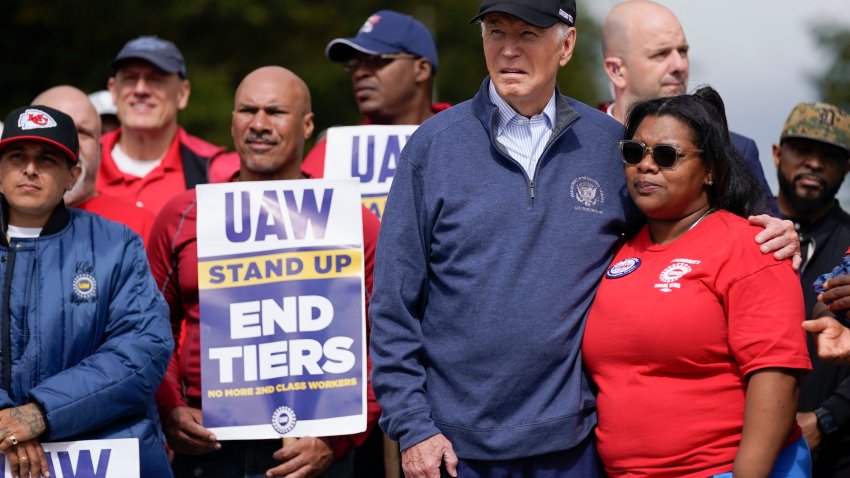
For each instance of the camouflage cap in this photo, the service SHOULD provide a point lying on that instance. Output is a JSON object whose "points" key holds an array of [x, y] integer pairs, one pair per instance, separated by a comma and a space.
{"points": [[819, 122]]}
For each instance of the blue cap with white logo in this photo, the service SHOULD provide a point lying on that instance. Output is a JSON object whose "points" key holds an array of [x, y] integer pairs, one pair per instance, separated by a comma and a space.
{"points": [[385, 32]]}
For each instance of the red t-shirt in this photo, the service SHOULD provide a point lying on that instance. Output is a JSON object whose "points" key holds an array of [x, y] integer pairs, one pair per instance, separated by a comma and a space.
{"points": [[115, 209], [173, 256], [672, 333]]}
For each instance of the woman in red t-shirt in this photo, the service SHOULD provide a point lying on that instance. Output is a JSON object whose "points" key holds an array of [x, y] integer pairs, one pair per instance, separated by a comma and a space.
{"points": [[694, 337]]}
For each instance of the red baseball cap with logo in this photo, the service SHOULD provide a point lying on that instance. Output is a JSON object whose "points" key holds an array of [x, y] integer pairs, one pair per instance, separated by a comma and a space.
{"points": [[42, 124]]}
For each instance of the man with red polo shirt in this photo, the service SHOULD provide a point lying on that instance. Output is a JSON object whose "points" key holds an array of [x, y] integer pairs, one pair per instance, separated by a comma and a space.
{"points": [[150, 159], [392, 62]]}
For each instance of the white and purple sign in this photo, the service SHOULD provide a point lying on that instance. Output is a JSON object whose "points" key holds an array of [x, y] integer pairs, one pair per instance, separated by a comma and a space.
{"points": [[369, 154], [280, 278], [89, 459]]}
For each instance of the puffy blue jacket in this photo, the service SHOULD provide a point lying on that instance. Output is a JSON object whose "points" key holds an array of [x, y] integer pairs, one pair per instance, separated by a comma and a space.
{"points": [[88, 332]]}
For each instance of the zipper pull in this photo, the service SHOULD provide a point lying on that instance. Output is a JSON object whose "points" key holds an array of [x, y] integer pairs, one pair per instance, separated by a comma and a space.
{"points": [[531, 188]]}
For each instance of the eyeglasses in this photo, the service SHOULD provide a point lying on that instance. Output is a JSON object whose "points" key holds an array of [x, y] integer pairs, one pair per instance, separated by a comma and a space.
{"points": [[664, 155], [374, 62]]}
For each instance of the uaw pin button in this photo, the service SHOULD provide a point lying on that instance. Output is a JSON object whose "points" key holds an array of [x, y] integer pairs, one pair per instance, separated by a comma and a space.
{"points": [[623, 268]]}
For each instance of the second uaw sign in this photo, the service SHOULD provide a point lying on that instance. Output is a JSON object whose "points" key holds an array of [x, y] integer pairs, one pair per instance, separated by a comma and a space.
{"points": [[369, 154]]}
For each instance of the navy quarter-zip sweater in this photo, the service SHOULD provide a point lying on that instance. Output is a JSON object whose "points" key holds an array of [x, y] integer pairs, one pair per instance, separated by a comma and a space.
{"points": [[483, 278]]}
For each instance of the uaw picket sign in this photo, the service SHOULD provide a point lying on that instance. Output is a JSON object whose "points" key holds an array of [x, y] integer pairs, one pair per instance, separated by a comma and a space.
{"points": [[280, 281], [89, 459], [369, 154]]}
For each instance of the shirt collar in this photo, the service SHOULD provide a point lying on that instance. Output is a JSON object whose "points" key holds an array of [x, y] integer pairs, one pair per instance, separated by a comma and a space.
{"points": [[507, 113]]}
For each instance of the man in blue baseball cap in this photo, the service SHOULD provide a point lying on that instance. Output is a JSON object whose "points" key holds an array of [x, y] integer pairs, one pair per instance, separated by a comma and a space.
{"points": [[150, 158], [392, 62]]}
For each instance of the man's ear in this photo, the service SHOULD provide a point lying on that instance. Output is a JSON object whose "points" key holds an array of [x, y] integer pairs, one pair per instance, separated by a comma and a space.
{"points": [[76, 171], [422, 70], [569, 46], [183, 94], [308, 125], [614, 68]]}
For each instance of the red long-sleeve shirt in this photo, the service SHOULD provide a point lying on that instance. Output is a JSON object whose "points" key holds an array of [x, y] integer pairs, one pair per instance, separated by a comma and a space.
{"points": [[173, 254]]}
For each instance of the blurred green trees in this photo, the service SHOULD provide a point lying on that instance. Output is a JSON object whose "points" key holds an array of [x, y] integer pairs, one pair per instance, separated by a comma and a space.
{"points": [[834, 83], [50, 42]]}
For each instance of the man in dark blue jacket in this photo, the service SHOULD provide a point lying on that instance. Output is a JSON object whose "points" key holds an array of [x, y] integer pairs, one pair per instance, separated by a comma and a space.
{"points": [[84, 332], [503, 214]]}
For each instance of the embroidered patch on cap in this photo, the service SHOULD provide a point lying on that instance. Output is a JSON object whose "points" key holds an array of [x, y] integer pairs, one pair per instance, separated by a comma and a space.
{"points": [[370, 24], [34, 119]]}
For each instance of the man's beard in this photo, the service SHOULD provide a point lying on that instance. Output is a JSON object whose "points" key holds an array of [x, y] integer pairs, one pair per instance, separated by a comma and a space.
{"points": [[803, 206]]}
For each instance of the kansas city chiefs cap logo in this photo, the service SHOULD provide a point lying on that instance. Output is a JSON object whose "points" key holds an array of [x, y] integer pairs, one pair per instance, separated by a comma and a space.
{"points": [[34, 119]]}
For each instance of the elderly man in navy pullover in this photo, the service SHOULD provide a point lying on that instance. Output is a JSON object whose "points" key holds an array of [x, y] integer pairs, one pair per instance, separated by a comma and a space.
{"points": [[503, 214]]}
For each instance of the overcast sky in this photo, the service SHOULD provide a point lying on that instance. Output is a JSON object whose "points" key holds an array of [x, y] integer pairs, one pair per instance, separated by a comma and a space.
{"points": [[758, 54]]}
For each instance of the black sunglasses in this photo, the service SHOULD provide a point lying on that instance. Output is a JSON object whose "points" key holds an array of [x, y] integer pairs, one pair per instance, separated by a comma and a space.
{"points": [[374, 62], [664, 155]]}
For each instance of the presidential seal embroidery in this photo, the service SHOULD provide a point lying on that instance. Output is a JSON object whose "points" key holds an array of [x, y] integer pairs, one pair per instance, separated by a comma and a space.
{"points": [[623, 268], [283, 420], [588, 193]]}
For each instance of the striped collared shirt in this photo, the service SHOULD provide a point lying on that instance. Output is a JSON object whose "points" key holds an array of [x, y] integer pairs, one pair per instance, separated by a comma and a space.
{"points": [[523, 138]]}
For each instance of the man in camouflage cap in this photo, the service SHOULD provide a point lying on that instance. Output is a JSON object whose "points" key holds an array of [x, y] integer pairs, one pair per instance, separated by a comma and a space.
{"points": [[812, 159]]}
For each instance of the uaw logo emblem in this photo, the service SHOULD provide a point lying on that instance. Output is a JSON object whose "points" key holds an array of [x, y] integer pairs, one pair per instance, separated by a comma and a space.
{"points": [[623, 268], [370, 24], [85, 287], [670, 277], [588, 193], [283, 420], [33, 118]]}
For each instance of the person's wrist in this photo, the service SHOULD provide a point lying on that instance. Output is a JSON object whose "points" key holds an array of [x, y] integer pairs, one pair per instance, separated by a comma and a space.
{"points": [[39, 423], [826, 422]]}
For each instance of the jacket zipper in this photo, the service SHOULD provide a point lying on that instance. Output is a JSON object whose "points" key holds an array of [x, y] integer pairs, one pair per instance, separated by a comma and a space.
{"points": [[6, 345]]}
